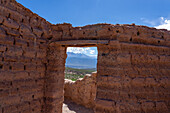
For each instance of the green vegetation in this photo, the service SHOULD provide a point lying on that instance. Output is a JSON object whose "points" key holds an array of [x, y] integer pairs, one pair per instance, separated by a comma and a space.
{"points": [[73, 77], [74, 74]]}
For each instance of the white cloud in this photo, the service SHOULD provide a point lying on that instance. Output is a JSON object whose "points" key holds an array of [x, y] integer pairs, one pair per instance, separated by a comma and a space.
{"points": [[92, 51], [82, 50], [165, 24], [77, 49], [159, 23], [94, 56]]}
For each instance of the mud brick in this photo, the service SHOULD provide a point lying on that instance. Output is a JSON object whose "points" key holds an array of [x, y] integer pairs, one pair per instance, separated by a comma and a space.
{"points": [[57, 35], [35, 103], [55, 94], [43, 46], [42, 75], [23, 106], [30, 67], [40, 68], [124, 38], [29, 52], [34, 22], [1, 19], [37, 95], [2, 38], [5, 85], [17, 66], [21, 75], [151, 82], [105, 103], [164, 81], [14, 91], [53, 87], [37, 31], [1, 58], [6, 76], [4, 12], [27, 97], [20, 42], [24, 29], [40, 81], [27, 110], [22, 83], [161, 106], [10, 108], [8, 58], [16, 16], [138, 82], [11, 100], [10, 23], [24, 59], [13, 32], [33, 45], [14, 51], [9, 40], [2, 48], [4, 93], [148, 106], [41, 54], [5, 66], [34, 74]]}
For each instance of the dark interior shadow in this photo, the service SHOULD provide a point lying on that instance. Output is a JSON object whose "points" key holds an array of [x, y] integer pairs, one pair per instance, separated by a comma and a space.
{"points": [[77, 108]]}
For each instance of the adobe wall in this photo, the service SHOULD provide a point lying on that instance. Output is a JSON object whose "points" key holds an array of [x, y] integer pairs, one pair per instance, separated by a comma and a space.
{"points": [[133, 67], [54, 80], [82, 91], [23, 45]]}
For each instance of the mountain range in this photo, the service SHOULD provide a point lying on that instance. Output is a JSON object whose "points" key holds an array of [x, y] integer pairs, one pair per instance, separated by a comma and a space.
{"points": [[80, 61]]}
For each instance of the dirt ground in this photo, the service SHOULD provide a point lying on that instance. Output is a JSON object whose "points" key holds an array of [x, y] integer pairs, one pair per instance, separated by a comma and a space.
{"points": [[71, 107]]}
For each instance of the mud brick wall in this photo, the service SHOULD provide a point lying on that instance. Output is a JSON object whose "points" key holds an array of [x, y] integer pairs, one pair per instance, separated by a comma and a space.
{"points": [[133, 78], [23, 45], [133, 67], [54, 80], [82, 91]]}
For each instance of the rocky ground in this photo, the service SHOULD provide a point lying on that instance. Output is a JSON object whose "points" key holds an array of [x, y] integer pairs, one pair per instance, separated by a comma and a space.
{"points": [[71, 107]]}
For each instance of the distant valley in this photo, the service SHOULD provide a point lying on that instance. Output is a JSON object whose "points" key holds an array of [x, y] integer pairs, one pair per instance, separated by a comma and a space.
{"points": [[80, 61]]}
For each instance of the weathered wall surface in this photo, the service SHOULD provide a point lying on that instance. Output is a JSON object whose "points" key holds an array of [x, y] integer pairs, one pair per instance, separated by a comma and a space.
{"points": [[54, 80], [23, 44], [133, 68], [133, 78], [133, 73], [82, 91]]}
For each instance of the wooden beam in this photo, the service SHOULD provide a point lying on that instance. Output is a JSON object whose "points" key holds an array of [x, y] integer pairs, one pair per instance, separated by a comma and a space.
{"points": [[81, 42]]}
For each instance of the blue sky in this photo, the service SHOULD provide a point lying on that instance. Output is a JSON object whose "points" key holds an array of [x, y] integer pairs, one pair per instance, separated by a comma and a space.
{"points": [[152, 13], [90, 51]]}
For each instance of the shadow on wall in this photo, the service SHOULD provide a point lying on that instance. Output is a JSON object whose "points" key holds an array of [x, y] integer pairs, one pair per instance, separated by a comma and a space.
{"points": [[82, 91]]}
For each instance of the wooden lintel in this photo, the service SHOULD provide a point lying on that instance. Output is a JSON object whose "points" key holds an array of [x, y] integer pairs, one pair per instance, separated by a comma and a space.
{"points": [[81, 42]]}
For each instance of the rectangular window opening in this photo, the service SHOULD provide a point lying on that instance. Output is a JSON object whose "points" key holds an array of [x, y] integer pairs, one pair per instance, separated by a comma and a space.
{"points": [[80, 61]]}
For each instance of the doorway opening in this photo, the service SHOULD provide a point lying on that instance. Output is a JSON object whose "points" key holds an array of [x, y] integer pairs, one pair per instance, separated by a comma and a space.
{"points": [[80, 79]]}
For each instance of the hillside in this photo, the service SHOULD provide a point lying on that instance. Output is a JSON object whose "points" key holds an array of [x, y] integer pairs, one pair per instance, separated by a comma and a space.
{"points": [[80, 61], [74, 74]]}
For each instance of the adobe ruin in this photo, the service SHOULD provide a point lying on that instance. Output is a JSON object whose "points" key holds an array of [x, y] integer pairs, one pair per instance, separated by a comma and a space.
{"points": [[132, 71]]}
